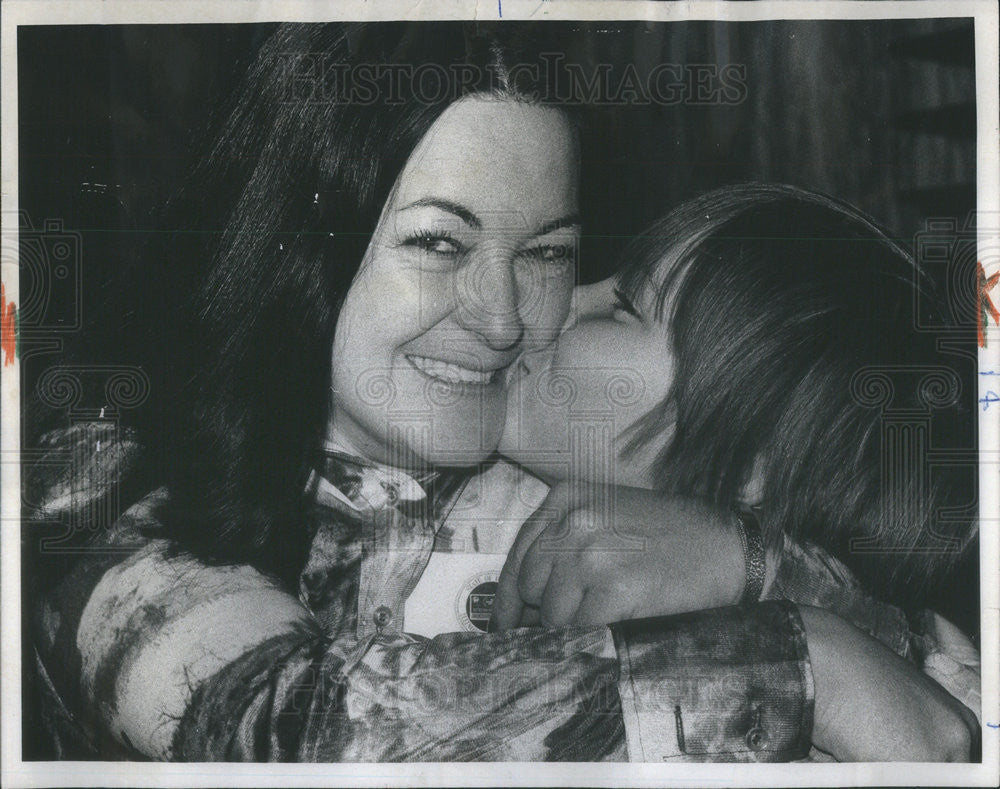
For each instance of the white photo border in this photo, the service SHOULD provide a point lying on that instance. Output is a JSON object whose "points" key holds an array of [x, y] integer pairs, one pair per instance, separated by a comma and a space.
{"points": [[16, 772]]}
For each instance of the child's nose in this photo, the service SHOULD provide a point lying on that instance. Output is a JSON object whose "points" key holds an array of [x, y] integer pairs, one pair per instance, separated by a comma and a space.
{"points": [[591, 301]]}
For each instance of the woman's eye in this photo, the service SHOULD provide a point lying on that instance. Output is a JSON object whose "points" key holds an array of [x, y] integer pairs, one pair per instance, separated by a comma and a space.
{"points": [[435, 244], [557, 257], [553, 253]]}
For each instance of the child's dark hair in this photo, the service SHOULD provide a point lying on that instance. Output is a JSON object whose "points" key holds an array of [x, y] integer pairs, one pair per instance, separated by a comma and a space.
{"points": [[793, 322]]}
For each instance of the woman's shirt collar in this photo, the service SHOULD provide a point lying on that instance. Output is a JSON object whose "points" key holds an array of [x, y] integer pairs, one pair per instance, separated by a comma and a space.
{"points": [[365, 486]]}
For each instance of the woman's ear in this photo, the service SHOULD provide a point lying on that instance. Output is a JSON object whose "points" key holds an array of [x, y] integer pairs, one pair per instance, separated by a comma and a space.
{"points": [[752, 492]]}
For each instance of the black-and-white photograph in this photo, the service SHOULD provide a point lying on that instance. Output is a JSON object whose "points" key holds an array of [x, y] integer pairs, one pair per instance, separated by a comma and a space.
{"points": [[518, 388]]}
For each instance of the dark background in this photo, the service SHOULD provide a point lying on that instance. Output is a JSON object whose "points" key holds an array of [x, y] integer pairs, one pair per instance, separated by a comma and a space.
{"points": [[879, 113]]}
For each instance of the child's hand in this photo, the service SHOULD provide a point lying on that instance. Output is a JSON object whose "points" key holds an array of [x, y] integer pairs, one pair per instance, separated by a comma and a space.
{"points": [[620, 554]]}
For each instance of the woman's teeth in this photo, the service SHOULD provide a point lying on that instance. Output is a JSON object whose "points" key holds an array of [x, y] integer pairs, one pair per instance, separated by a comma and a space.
{"points": [[451, 373]]}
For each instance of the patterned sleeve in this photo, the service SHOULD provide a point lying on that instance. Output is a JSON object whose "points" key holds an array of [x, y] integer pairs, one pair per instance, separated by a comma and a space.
{"points": [[146, 652], [808, 575], [167, 658], [950, 659], [727, 685]]}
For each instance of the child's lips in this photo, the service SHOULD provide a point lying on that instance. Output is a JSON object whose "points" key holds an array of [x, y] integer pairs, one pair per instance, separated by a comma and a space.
{"points": [[540, 360], [515, 371], [531, 363]]}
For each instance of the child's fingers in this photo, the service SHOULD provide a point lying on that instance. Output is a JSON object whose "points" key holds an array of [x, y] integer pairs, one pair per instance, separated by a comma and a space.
{"points": [[507, 604], [561, 597], [600, 605], [536, 567]]}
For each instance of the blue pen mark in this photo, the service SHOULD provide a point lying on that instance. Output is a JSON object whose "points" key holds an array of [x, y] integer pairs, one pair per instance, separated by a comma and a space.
{"points": [[991, 397], [500, 8], [993, 725], [987, 372]]}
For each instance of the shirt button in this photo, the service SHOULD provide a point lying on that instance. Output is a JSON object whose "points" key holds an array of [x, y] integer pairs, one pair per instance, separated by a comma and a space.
{"points": [[382, 616], [757, 739]]}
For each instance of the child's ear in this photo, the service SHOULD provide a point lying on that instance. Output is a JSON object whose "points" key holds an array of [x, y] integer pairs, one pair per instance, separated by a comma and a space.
{"points": [[752, 492]]}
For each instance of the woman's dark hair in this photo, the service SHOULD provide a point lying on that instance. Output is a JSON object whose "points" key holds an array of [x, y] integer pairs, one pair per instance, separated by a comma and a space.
{"points": [[794, 323], [280, 214]]}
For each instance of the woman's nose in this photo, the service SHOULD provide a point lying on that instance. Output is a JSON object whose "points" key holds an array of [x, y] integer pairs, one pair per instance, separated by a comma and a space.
{"points": [[489, 303]]}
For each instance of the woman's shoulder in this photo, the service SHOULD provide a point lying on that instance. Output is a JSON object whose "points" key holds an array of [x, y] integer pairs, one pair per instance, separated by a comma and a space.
{"points": [[132, 623], [135, 630], [74, 466]]}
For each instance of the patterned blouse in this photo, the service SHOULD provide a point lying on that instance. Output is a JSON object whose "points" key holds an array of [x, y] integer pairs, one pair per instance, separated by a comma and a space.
{"points": [[143, 652]]}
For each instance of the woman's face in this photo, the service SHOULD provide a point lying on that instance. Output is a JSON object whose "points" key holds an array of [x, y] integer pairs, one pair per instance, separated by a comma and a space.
{"points": [[570, 406], [471, 264]]}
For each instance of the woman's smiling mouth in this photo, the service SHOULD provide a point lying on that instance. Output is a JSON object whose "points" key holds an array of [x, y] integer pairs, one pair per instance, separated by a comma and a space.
{"points": [[451, 373]]}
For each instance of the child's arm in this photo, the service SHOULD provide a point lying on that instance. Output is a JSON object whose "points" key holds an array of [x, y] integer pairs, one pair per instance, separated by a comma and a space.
{"points": [[615, 553], [670, 555], [633, 553]]}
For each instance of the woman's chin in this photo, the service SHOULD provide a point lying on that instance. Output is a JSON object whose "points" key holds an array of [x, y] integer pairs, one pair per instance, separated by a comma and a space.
{"points": [[549, 466], [463, 444], [457, 456]]}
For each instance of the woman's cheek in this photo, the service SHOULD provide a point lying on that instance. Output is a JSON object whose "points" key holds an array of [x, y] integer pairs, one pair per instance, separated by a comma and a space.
{"points": [[425, 296], [543, 327]]}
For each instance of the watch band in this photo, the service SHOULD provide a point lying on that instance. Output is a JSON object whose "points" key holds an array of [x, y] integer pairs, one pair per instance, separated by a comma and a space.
{"points": [[754, 557]]}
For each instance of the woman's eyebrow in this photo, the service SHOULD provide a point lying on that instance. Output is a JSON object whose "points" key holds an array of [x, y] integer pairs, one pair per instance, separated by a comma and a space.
{"points": [[476, 223], [460, 211], [557, 224]]}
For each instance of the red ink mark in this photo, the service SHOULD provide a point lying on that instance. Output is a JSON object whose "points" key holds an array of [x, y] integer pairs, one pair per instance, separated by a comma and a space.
{"points": [[8, 327], [986, 305]]}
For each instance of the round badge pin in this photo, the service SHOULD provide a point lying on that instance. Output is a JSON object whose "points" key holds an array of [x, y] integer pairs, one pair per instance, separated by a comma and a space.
{"points": [[474, 602]]}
